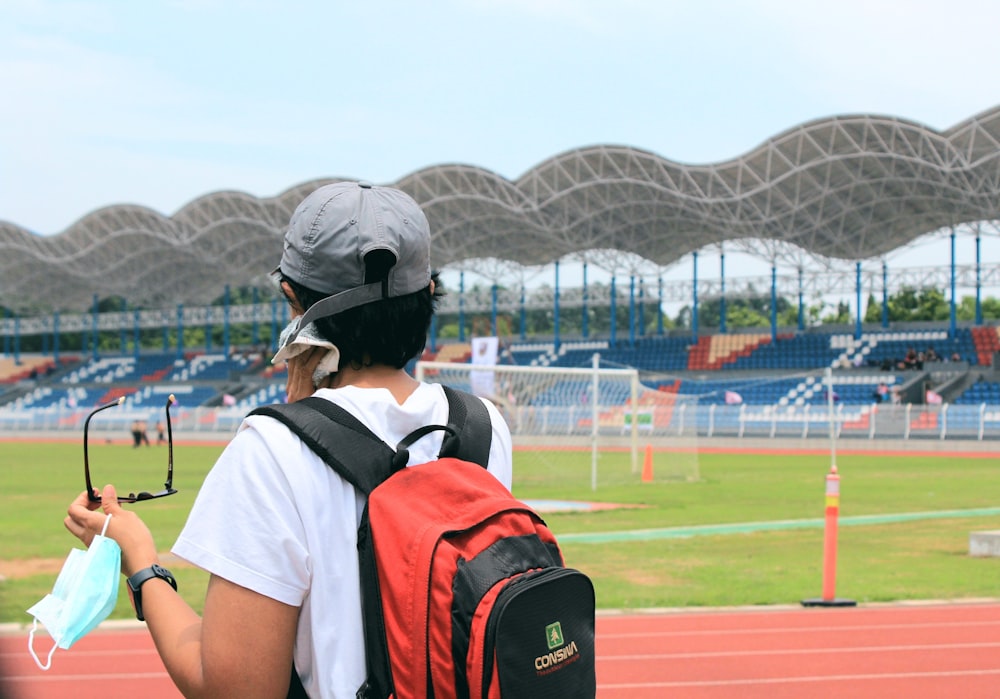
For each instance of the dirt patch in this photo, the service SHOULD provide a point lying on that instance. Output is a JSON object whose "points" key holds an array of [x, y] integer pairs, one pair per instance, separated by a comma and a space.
{"points": [[27, 567]]}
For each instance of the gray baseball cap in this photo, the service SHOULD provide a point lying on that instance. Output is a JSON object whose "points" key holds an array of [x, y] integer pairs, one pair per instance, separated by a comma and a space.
{"points": [[334, 228]]}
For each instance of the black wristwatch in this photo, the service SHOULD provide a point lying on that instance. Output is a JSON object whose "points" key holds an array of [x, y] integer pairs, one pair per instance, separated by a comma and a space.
{"points": [[135, 585]]}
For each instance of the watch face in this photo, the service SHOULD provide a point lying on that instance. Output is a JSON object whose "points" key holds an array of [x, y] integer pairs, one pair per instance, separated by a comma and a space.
{"points": [[136, 581], [155, 571], [162, 572]]}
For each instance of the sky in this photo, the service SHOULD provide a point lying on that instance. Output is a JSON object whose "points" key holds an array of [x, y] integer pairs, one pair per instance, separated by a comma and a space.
{"points": [[159, 102]]}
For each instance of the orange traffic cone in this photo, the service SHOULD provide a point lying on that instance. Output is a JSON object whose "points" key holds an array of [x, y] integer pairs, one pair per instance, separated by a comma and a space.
{"points": [[647, 466]]}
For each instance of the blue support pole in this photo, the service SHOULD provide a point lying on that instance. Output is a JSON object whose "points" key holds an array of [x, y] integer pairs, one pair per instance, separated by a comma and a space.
{"points": [[951, 321], [166, 335], [659, 305], [857, 295], [774, 302], [6, 337], [255, 328], [461, 306], [55, 337], [722, 292], [17, 340], [122, 335], [584, 320], [979, 281], [694, 297], [94, 327], [180, 331], [885, 294], [208, 329], [802, 303], [135, 333], [613, 328], [225, 321], [555, 310], [524, 313], [631, 310], [642, 307]]}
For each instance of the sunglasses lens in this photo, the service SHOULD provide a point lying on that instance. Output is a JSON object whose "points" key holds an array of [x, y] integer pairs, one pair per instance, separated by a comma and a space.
{"points": [[142, 495]]}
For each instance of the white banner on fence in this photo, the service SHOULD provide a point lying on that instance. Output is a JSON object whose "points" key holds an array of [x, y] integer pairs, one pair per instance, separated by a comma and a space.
{"points": [[484, 352]]}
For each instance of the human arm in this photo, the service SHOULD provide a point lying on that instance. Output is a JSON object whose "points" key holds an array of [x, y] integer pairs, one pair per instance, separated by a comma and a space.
{"points": [[501, 458], [241, 647]]}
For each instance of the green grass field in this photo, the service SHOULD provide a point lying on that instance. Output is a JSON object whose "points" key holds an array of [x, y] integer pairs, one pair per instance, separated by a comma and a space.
{"points": [[922, 558]]}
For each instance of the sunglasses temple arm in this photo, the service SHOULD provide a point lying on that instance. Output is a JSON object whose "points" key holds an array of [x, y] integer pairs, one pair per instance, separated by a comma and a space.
{"points": [[86, 429], [170, 444]]}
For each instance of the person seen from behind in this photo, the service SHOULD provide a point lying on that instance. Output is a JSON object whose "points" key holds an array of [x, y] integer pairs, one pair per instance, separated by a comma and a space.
{"points": [[274, 525], [136, 430]]}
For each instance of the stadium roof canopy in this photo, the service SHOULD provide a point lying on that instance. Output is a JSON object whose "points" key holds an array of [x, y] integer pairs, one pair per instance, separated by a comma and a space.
{"points": [[847, 187]]}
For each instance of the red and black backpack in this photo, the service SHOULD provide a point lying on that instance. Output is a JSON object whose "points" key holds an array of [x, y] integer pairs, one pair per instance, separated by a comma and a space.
{"points": [[464, 589]]}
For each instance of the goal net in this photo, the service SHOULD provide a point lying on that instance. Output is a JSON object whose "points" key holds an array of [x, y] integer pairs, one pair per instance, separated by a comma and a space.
{"points": [[579, 427]]}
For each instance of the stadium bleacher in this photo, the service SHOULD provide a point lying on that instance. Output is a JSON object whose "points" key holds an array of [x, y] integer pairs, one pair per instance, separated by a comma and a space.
{"points": [[861, 363], [980, 392], [779, 380], [12, 371], [751, 352]]}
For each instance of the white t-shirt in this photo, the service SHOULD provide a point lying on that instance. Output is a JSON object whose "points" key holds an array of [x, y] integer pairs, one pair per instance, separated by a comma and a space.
{"points": [[271, 516]]}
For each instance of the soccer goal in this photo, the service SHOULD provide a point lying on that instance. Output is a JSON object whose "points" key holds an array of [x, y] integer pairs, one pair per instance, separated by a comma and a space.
{"points": [[571, 424]]}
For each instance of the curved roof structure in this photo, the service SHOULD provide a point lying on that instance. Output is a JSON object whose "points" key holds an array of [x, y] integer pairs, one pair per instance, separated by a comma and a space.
{"points": [[848, 187]]}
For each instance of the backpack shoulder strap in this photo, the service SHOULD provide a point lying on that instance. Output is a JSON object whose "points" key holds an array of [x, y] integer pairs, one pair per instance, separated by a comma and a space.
{"points": [[473, 428], [333, 432]]}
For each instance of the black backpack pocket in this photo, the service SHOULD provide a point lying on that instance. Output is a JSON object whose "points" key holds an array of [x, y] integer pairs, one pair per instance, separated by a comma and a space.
{"points": [[541, 634]]}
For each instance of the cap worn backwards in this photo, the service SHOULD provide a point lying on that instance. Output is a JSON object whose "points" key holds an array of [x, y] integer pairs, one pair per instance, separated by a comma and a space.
{"points": [[336, 226]]}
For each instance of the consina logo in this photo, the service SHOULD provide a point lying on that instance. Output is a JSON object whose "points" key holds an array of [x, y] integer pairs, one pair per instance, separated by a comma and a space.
{"points": [[559, 653]]}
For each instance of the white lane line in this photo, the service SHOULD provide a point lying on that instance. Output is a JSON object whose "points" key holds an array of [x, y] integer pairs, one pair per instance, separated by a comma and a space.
{"points": [[797, 629], [795, 651], [807, 679], [102, 677]]}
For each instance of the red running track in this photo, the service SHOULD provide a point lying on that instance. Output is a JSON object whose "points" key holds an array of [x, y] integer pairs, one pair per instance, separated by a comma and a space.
{"points": [[917, 651]]}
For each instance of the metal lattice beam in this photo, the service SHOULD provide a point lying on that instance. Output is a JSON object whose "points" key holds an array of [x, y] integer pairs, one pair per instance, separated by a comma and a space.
{"points": [[846, 188]]}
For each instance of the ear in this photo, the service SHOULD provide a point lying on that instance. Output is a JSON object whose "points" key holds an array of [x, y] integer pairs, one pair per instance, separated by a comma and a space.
{"points": [[293, 300]]}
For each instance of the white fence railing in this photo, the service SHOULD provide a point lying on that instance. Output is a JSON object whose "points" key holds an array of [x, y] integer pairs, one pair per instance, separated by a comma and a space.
{"points": [[907, 422]]}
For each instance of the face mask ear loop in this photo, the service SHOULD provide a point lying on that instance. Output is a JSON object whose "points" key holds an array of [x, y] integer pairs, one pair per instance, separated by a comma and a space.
{"points": [[31, 648], [106, 521]]}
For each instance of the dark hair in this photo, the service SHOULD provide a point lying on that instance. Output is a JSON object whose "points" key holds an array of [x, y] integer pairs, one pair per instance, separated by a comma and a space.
{"points": [[388, 332]]}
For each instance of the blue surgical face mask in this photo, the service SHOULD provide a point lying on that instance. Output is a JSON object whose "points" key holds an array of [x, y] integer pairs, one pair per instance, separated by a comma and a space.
{"points": [[83, 596]]}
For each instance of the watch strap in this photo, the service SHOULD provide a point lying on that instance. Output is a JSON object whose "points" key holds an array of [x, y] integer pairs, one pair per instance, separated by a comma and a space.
{"points": [[136, 581]]}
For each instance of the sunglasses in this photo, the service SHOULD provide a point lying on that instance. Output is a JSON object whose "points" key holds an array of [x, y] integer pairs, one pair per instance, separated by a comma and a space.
{"points": [[168, 488]]}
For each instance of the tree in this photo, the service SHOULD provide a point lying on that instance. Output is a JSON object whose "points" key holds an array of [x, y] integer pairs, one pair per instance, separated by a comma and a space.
{"points": [[912, 305], [841, 316], [743, 316], [873, 311], [753, 311], [966, 310], [929, 305]]}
